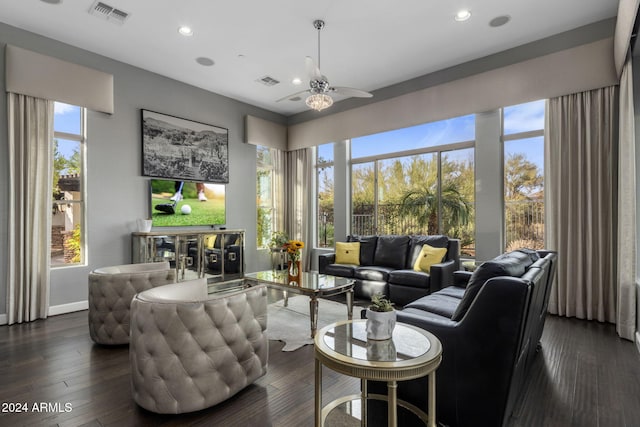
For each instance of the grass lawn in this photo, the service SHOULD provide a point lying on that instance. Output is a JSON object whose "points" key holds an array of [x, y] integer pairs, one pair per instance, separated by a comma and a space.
{"points": [[211, 212]]}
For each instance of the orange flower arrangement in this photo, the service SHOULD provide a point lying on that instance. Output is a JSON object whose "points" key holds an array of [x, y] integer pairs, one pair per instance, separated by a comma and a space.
{"points": [[293, 248]]}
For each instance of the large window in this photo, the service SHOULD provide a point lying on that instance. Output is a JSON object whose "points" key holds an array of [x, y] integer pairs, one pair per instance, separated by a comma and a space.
{"points": [[417, 180], [264, 196], [324, 177], [68, 195], [523, 137]]}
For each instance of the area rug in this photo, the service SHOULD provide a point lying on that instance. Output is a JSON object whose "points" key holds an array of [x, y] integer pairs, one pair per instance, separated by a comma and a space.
{"points": [[291, 324]]}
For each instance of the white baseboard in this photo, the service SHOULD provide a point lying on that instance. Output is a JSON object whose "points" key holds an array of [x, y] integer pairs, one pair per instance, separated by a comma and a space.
{"points": [[68, 308], [57, 309], [638, 341]]}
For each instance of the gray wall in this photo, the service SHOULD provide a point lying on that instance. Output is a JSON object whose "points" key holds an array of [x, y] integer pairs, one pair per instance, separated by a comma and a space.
{"points": [[117, 193], [488, 165], [636, 104]]}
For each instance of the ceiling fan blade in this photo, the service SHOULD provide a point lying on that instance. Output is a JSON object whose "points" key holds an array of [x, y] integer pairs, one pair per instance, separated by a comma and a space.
{"points": [[348, 91], [293, 95], [312, 69]]}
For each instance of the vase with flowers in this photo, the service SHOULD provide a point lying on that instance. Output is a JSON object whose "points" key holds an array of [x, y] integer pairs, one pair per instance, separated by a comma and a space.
{"points": [[294, 248]]}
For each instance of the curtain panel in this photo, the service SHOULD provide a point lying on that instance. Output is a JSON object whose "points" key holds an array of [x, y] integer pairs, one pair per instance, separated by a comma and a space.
{"points": [[30, 132], [278, 188], [297, 196], [627, 234], [581, 159]]}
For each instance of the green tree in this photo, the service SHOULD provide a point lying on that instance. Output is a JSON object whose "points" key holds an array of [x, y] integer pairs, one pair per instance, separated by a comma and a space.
{"points": [[325, 206], [522, 178], [422, 205]]}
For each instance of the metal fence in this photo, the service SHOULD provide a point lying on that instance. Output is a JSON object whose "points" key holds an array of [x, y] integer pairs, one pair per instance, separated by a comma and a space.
{"points": [[524, 223]]}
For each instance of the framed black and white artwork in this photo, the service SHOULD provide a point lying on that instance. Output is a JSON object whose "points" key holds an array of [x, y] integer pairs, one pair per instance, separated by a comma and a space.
{"points": [[182, 149]]}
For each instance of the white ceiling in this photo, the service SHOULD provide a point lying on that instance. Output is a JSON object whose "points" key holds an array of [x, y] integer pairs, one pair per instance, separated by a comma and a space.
{"points": [[366, 44]]}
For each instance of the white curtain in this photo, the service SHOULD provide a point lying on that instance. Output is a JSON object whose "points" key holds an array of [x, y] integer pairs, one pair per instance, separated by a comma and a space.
{"points": [[297, 193], [278, 191], [626, 271], [581, 157], [30, 131]]}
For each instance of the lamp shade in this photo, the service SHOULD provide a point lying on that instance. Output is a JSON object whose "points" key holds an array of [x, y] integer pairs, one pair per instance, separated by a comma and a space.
{"points": [[319, 101]]}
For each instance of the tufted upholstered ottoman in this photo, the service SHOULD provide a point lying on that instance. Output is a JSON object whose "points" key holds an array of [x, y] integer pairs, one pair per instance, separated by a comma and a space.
{"points": [[190, 350], [111, 290]]}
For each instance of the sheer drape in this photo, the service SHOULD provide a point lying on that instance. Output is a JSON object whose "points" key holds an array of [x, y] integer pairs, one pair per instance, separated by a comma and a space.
{"points": [[30, 131], [626, 271], [297, 199], [581, 154], [280, 171]]}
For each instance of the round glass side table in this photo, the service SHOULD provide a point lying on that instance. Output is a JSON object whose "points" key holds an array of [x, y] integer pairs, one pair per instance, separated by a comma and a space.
{"points": [[411, 353]]}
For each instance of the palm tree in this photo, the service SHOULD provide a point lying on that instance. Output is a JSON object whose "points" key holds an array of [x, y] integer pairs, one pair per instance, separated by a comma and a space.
{"points": [[421, 204]]}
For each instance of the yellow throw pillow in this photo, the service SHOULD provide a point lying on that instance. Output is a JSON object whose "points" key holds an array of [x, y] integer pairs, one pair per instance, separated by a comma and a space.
{"points": [[348, 253], [210, 241], [429, 256]]}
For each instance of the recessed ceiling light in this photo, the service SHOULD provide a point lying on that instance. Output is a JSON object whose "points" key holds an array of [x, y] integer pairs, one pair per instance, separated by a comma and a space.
{"points": [[185, 30], [296, 81], [52, 1], [207, 62], [463, 15], [499, 21]]}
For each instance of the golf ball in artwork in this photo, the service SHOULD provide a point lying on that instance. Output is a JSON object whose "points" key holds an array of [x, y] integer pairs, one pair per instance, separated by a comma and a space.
{"points": [[185, 209]]}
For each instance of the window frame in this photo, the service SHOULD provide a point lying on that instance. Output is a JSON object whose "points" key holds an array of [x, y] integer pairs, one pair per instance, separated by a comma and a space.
{"points": [[511, 137], [270, 207], [318, 166], [375, 159], [81, 138]]}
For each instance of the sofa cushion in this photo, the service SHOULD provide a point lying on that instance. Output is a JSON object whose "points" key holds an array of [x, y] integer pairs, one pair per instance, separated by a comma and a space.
{"points": [[415, 246], [372, 272], [452, 291], [512, 264], [441, 304], [427, 257], [348, 253], [341, 270], [413, 278], [367, 247], [391, 251]]}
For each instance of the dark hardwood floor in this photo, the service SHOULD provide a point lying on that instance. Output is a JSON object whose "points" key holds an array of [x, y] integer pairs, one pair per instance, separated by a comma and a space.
{"points": [[584, 376]]}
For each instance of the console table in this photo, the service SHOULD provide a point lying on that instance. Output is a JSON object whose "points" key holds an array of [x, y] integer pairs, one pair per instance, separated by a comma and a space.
{"points": [[217, 255], [410, 353]]}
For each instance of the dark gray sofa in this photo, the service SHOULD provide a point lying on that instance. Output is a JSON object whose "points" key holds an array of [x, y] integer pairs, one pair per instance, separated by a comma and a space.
{"points": [[490, 324], [386, 266]]}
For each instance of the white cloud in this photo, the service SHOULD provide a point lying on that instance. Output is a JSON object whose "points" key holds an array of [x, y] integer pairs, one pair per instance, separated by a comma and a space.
{"points": [[61, 108]]}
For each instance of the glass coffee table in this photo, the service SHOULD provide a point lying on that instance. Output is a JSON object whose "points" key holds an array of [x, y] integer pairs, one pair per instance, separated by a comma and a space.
{"points": [[410, 353], [311, 284]]}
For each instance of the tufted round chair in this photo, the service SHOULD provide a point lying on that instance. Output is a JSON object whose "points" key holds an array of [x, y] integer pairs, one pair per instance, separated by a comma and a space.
{"points": [[190, 350], [111, 290]]}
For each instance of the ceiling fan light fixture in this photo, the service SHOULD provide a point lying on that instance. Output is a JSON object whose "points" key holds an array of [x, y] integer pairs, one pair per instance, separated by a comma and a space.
{"points": [[319, 101]]}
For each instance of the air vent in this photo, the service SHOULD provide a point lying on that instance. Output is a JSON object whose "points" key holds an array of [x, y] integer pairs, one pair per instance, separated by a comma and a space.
{"points": [[108, 13], [268, 81]]}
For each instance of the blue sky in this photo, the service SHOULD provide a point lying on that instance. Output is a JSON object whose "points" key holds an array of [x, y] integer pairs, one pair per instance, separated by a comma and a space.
{"points": [[517, 118], [67, 118]]}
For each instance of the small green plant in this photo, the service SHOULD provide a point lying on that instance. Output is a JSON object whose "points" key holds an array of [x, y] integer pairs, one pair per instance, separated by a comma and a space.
{"points": [[278, 239], [380, 303]]}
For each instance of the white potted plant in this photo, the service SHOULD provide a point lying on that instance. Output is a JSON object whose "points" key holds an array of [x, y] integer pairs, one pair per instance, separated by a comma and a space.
{"points": [[381, 318]]}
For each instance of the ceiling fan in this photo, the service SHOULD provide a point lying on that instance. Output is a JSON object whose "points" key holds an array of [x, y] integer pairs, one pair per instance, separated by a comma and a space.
{"points": [[319, 88]]}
